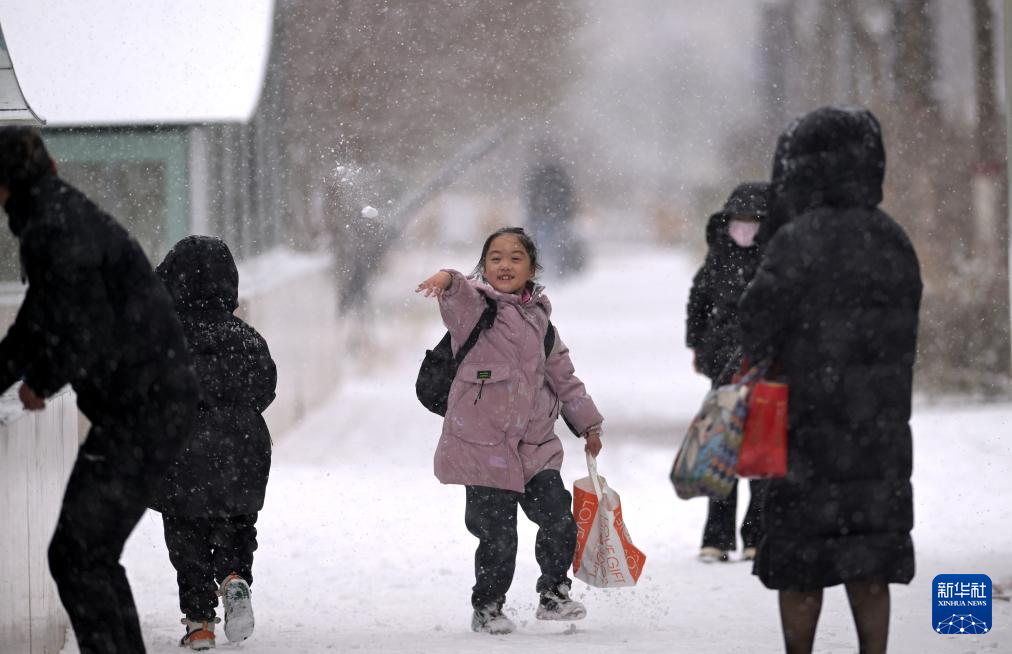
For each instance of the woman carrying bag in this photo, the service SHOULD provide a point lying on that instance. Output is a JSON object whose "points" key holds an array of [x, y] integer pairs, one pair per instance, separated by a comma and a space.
{"points": [[835, 303]]}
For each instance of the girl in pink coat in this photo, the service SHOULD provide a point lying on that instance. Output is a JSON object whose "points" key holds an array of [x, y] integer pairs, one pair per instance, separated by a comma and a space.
{"points": [[498, 437]]}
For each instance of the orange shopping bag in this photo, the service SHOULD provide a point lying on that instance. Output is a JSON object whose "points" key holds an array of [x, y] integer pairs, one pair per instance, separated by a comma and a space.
{"points": [[605, 556], [763, 452]]}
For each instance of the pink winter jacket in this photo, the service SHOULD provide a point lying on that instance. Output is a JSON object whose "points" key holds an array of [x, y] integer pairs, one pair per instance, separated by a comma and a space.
{"points": [[500, 417]]}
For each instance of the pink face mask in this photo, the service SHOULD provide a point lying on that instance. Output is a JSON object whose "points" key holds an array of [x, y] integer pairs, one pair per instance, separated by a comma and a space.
{"points": [[743, 232]]}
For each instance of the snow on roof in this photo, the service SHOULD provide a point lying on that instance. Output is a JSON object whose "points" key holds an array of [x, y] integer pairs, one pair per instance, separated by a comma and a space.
{"points": [[13, 106], [117, 62]]}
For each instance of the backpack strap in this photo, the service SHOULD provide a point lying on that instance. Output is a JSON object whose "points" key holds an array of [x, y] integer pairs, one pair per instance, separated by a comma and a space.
{"points": [[486, 320], [549, 339], [549, 346]]}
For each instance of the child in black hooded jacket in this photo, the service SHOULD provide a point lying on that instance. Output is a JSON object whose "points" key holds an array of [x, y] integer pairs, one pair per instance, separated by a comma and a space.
{"points": [[712, 334], [211, 495]]}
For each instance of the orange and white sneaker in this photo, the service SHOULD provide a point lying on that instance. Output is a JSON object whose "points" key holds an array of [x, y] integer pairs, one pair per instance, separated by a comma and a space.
{"points": [[238, 605], [199, 634]]}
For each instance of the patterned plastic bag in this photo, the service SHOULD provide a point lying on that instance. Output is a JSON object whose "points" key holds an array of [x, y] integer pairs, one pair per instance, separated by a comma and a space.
{"points": [[705, 464]]}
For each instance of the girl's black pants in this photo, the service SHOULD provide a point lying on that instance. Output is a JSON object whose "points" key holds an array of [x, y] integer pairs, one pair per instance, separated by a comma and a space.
{"points": [[491, 516]]}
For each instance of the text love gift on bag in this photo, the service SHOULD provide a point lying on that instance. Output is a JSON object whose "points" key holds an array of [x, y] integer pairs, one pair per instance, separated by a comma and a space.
{"points": [[605, 556], [763, 453]]}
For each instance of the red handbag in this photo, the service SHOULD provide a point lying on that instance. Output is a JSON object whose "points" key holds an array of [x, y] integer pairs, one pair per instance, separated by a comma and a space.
{"points": [[763, 453]]}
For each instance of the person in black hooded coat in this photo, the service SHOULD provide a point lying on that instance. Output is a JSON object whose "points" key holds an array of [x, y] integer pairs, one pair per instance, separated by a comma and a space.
{"points": [[712, 322], [712, 326], [835, 302], [97, 317], [211, 495]]}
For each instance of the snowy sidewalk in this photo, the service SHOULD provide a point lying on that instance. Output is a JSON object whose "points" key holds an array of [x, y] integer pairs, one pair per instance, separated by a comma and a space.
{"points": [[361, 549]]}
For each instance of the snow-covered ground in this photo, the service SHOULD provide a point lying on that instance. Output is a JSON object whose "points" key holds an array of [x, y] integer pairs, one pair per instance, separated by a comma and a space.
{"points": [[361, 549]]}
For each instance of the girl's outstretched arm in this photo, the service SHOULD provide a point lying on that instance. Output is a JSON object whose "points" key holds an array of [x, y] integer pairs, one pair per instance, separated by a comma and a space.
{"points": [[460, 303], [436, 284]]}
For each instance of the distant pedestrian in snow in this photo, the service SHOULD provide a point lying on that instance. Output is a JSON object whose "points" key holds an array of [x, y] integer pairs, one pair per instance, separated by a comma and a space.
{"points": [[498, 437], [210, 496], [551, 209], [97, 317], [712, 333], [836, 301]]}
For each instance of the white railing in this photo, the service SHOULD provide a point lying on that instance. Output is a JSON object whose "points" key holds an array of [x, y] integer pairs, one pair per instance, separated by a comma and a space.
{"points": [[37, 451]]}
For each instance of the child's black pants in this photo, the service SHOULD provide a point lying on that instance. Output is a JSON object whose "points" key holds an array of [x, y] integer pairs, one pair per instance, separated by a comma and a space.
{"points": [[206, 550], [722, 515], [491, 516]]}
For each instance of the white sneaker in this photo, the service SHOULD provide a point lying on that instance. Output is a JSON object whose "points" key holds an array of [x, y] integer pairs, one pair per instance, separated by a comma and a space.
{"points": [[199, 634], [712, 555], [238, 605], [490, 620], [555, 604]]}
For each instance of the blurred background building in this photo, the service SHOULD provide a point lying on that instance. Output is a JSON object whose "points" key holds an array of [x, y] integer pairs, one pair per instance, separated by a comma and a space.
{"points": [[275, 124]]}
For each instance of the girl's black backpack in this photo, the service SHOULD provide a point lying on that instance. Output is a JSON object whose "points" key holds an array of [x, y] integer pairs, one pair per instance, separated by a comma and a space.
{"points": [[439, 367]]}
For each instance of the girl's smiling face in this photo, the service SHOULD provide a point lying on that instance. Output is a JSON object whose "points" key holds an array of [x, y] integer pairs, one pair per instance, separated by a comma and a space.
{"points": [[507, 265]]}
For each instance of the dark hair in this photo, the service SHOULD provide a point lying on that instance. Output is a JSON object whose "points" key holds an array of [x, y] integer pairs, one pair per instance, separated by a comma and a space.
{"points": [[23, 156], [525, 240]]}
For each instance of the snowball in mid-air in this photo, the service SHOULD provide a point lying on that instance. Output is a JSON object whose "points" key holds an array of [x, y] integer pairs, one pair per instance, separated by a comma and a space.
{"points": [[369, 212]]}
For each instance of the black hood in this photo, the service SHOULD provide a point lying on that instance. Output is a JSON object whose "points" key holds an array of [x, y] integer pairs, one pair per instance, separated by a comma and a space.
{"points": [[24, 164], [750, 198], [833, 157], [200, 273]]}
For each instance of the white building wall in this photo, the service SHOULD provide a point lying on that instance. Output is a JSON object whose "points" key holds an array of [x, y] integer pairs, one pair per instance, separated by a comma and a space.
{"points": [[291, 300]]}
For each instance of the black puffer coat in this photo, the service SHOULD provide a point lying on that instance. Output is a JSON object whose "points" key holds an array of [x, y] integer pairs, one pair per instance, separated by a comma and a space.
{"points": [[95, 314], [712, 320], [223, 469], [836, 300]]}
